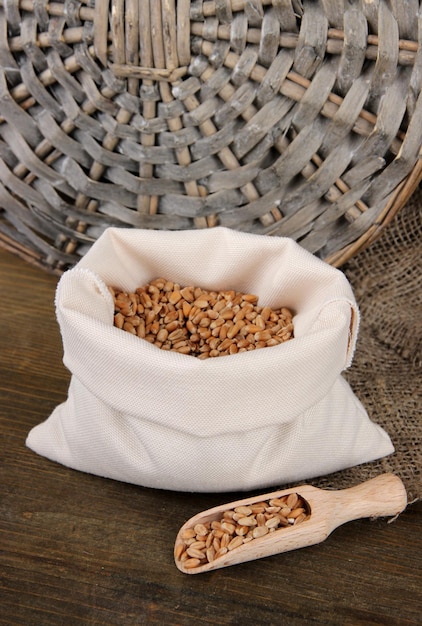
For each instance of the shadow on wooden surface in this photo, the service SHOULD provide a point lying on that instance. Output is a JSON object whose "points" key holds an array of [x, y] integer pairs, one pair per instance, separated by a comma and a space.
{"points": [[79, 549]]}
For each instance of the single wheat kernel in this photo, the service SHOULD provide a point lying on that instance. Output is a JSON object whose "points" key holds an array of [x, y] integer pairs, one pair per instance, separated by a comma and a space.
{"points": [[259, 531], [195, 553], [191, 563], [235, 543]]}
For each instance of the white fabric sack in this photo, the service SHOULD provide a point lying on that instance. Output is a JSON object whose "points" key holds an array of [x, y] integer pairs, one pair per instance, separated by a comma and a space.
{"points": [[161, 419]]}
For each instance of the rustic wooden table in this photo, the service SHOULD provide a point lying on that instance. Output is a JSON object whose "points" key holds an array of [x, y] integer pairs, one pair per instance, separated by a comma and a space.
{"points": [[78, 549]]}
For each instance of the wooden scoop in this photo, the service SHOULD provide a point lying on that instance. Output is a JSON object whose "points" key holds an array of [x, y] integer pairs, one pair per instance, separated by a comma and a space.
{"points": [[325, 510]]}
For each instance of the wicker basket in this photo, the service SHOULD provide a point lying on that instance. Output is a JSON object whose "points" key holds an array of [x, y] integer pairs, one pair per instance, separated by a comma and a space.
{"points": [[280, 117]]}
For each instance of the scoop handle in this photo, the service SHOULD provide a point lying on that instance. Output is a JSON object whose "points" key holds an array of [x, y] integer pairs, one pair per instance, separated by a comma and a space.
{"points": [[383, 496]]}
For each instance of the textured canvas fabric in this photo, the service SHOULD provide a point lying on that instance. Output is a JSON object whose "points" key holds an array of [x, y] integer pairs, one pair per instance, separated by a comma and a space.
{"points": [[167, 420]]}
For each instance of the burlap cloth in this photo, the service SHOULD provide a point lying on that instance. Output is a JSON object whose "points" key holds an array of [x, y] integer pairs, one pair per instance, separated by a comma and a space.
{"points": [[386, 371]]}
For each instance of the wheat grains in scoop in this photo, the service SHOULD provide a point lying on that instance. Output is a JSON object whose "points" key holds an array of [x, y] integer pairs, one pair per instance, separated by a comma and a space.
{"points": [[198, 322], [268, 524]]}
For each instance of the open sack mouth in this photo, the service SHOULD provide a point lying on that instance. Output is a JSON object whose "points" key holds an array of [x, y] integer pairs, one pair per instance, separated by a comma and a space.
{"points": [[198, 322]]}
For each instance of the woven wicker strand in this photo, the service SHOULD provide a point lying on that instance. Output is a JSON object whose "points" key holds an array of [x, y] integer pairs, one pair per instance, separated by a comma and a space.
{"points": [[278, 117]]}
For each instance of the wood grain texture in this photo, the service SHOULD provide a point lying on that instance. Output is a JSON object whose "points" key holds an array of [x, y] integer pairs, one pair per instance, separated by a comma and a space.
{"points": [[76, 549]]}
